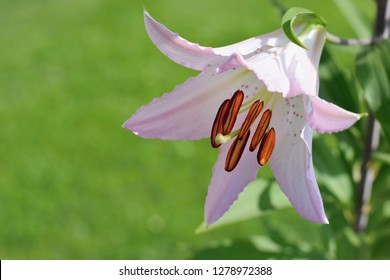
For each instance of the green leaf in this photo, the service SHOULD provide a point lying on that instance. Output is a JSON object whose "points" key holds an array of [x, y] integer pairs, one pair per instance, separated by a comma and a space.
{"points": [[350, 245], [382, 157], [381, 248], [336, 84], [331, 169], [353, 14], [373, 72], [297, 15]]}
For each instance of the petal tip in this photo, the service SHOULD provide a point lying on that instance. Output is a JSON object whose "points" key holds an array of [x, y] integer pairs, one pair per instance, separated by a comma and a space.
{"points": [[216, 209], [178, 49], [321, 220], [318, 219], [124, 125], [128, 126], [211, 217], [327, 117], [147, 16]]}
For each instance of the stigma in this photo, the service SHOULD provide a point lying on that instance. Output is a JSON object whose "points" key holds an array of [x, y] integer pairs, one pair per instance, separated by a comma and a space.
{"points": [[225, 120]]}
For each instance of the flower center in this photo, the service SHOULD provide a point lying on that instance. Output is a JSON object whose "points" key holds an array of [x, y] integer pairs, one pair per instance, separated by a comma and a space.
{"points": [[226, 117]]}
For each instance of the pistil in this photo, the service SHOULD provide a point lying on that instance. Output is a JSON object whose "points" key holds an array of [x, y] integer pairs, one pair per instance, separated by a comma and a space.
{"points": [[222, 139], [217, 125]]}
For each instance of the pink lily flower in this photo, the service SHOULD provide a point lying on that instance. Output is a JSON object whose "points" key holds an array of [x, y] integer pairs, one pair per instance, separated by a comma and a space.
{"points": [[258, 100]]}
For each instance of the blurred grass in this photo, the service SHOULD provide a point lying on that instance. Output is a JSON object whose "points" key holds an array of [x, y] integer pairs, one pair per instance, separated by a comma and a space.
{"points": [[73, 183]]}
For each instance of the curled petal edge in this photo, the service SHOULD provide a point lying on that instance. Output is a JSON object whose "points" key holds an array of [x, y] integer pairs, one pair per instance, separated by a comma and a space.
{"points": [[178, 49], [326, 117]]}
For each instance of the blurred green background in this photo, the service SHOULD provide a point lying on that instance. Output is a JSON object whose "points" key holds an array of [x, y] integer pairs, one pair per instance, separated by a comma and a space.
{"points": [[75, 185]]}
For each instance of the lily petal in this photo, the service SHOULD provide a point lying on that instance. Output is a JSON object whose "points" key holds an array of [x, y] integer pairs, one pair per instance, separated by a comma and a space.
{"points": [[225, 186], [188, 112], [290, 70], [176, 48], [303, 69], [326, 117], [197, 57], [254, 44], [291, 161], [266, 67]]}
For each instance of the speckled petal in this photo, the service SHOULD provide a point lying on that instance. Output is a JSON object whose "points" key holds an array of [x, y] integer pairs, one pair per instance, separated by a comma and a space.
{"points": [[291, 161]]}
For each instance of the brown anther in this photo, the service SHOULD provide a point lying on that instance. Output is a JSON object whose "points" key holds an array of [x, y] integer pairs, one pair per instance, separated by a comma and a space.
{"points": [[217, 125], [266, 147], [260, 130], [230, 116], [253, 113], [235, 152]]}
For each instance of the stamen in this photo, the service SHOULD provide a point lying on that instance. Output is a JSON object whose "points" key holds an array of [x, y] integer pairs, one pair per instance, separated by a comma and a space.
{"points": [[266, 147], [229, 118], [220, 139], [261, 129], [217, 125], [235, 152], [253, 113]]}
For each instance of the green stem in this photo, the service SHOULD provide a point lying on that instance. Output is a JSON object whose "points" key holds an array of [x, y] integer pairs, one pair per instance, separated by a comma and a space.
{"points": [[367, 176], [348, 42], [372, 133]]}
